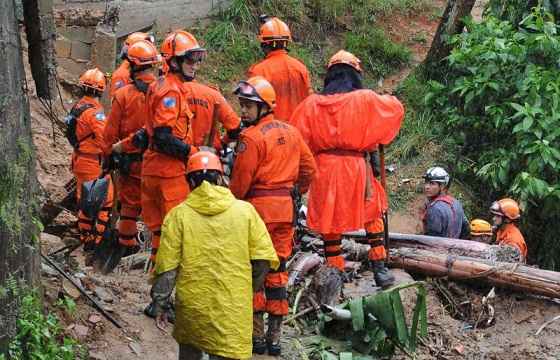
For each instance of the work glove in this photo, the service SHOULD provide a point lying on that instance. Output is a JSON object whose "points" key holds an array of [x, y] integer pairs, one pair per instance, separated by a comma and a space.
{"points": [[140, 139]]}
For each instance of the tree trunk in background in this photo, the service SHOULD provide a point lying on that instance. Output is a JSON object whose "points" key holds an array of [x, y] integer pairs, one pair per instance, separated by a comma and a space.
{"points": [[19, 260], [451, 24], [39, 28]]}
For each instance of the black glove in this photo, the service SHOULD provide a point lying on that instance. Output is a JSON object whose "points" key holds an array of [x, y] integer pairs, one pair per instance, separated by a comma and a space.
{"points": [[165, 142], [140, 139]]}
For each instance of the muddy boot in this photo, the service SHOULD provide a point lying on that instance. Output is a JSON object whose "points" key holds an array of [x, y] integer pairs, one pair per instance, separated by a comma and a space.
{"points": [[259, 342], [382, 275], [273, 334]]}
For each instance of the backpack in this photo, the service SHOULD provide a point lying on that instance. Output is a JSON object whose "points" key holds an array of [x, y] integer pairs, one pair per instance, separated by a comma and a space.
{"points": [[71, 121]]}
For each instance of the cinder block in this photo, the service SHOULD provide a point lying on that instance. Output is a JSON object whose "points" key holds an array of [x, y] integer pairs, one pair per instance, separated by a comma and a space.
{"points": [[80, 51], [62, 47]]}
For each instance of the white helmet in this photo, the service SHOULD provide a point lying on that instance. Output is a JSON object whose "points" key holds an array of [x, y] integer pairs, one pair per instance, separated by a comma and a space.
{"points": [[439, 175]]}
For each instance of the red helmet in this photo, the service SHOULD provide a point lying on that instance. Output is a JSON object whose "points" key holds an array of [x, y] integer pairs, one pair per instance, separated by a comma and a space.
{"points": [[507, 208], [181, 43], [142, 53], [273, 29], [344, 57], [93, 79], [257, 89], [203, 161]]}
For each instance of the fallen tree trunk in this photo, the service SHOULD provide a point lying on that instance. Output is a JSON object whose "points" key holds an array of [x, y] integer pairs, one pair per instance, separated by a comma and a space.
{"points": [[451, 246], [514, 276]]}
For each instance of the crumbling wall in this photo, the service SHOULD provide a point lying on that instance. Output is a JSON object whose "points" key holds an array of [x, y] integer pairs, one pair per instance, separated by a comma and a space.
{"points": [[75, 37], [91, 32]]}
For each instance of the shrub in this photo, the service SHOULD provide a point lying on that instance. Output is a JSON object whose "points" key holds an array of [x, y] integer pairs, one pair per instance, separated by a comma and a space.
{"points": [[379, 55], [500, 105], [40, 337]]}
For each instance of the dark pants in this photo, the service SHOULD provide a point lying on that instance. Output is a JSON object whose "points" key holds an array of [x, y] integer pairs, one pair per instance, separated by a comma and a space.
{"points": [[189, 352]]}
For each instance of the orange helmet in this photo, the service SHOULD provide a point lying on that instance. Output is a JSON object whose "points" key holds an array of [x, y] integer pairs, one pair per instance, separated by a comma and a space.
{"points": [[204, 161], [94, 79], [143, 52], [180, 43], [344, 57], [257, 89], [138, 36], [480, 227], [507, 208], [273, 29]]}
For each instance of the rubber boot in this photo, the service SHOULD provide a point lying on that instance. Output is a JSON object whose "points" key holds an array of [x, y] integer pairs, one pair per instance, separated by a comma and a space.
{"points": [[273, 334], [382, 275], [259, 342]]}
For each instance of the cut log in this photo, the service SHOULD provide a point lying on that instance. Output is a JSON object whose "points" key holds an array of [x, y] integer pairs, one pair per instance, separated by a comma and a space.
{"points": [[514, 276]]}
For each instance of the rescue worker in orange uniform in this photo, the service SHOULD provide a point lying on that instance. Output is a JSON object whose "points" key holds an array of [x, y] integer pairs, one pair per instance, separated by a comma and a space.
{"points": [[121, 76], [288, 76], [208, 107], [88, 153], [272, 161], [129, 113], [342, 125], [506, 215], [167, 127]]}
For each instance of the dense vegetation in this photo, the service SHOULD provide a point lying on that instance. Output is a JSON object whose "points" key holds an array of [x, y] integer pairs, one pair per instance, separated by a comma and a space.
{"points": [[319, 27], [499, 107]]}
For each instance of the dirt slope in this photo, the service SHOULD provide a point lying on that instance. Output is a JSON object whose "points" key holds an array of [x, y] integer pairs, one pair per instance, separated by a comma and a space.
{"points": [[127, 293]]}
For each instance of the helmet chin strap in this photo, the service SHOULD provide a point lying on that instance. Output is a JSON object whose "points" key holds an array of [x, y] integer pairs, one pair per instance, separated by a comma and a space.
{"points": [[260, 115], [179, 61]]}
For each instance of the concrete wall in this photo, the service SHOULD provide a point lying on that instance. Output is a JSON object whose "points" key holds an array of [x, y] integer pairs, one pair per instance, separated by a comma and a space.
{"points": [[82, 41]]}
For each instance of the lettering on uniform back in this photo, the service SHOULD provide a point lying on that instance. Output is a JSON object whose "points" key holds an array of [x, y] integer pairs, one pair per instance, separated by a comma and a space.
{"points": [[273, 125]]}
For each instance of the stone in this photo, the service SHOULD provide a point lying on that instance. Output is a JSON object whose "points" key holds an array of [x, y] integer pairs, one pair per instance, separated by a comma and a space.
{"points": [[48, 271], [94, 318], [51, 240], [80, 51], [103, 294], [70, 289], [81, 330], [62, 47]]}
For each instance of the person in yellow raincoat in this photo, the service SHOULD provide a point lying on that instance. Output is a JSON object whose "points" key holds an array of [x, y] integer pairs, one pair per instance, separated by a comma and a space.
{"points": [[217, 251]]}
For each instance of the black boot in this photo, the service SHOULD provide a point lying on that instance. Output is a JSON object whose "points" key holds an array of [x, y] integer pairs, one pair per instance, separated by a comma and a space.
{"points": [[382, 275], [273, 335], [259, 342]]}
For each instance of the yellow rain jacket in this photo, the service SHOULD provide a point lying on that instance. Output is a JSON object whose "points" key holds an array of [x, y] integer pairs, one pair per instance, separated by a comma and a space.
{"points": [[211, 239]]}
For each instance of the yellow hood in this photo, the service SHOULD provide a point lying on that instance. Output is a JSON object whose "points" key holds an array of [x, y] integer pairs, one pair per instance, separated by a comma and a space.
{"points": [[210, 199]]}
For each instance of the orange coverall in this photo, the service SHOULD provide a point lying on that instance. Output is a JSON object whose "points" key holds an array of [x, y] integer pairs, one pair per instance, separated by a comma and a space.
{"points": [[207, 106], [129, 113], [289, 78], [86, 166], [271, 159], [345, 196], [120, 77], [509, 234], [164, 184]]}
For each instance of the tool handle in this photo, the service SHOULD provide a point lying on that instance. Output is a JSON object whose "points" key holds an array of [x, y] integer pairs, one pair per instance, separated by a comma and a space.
{"points": [[97, 305]]}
